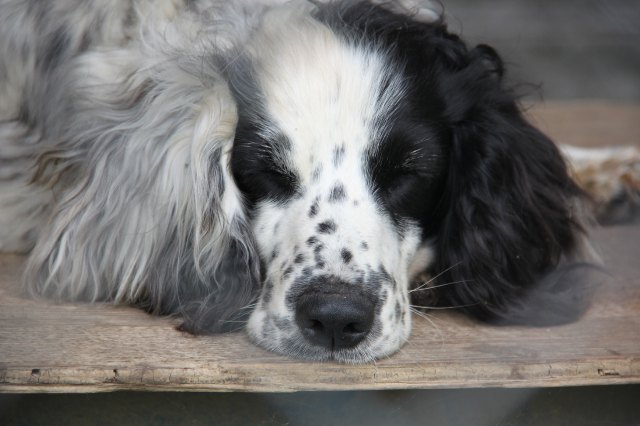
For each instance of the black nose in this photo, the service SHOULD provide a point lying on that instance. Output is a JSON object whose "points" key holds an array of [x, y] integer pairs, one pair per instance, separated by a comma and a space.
{"points": [[334, 320]]}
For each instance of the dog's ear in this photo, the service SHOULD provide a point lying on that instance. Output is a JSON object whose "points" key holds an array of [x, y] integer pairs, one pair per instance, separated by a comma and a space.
{"points": [[509, 222], [147, 212], [224, 278]]}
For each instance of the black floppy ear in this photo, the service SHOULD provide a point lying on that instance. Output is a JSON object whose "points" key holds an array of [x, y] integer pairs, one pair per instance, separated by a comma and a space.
{"points": [[509, 225]]}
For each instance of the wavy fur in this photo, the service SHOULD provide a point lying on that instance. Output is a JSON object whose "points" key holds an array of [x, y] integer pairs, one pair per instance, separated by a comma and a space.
{"points": [[214, 159]]}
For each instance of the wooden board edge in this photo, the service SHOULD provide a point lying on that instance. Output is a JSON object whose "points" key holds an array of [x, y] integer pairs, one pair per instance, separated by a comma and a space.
{"points": [[463, 384], [248, 378]]}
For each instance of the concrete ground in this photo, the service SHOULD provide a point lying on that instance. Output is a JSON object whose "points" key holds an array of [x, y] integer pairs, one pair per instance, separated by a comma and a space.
{"points": [[570, 49]]}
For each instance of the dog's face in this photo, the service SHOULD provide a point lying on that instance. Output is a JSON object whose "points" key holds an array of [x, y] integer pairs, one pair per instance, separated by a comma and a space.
{"points": [[371, 147], [342, 171]]}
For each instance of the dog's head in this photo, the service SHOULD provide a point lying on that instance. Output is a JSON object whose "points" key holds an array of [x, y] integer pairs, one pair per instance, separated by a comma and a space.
{"points": [[372, 146]]}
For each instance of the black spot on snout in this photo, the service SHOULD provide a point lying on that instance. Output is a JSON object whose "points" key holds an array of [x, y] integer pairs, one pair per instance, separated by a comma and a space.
{"points": [[327, 227], [346, 255], [313, 210], [337, 194]]}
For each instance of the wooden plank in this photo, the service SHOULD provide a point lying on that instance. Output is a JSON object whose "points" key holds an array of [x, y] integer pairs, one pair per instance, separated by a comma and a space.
{"points": [[47, 347]]}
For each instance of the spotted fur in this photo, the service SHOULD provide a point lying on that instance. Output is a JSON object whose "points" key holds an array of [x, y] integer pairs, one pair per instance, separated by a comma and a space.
{"points": [[265, 159]]}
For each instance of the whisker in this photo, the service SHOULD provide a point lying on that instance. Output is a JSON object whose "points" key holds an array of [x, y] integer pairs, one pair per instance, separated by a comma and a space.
{"points": [[444, 307], [439, 285], [423, 314], [433, 324], [433, 278]]}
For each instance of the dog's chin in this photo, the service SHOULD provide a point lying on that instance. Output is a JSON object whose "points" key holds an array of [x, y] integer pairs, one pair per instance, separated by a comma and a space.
{"points": [[294, 345], [298, 348]]}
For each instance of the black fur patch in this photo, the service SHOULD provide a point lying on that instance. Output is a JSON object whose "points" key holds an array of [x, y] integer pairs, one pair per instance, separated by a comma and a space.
{"points": [[313, 210], [337, 194], [346, 255], [327, 227]]}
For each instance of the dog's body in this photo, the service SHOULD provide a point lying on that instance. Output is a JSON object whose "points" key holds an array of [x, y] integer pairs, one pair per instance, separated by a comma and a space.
{"points": [[195, 157]]}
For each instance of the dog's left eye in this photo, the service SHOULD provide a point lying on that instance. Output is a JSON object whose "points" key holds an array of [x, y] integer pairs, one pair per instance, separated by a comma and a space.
{"points": [[407, 172], [401, 180], [399, 184], [397, 166]]}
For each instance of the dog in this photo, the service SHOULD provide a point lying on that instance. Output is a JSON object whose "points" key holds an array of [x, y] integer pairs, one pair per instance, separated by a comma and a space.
{"points": [[297, 168]]}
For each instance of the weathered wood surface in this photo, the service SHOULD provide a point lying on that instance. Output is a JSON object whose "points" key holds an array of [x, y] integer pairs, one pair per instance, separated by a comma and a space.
{"points": [[48, 347]]}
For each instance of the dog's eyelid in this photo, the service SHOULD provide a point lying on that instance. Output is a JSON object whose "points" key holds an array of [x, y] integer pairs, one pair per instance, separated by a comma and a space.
{"points": [[406, 177]]}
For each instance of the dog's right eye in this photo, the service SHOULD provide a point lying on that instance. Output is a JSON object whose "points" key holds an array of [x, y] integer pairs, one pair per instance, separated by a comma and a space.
{"points": [[276, 184], [259, 165], [266, 182]]}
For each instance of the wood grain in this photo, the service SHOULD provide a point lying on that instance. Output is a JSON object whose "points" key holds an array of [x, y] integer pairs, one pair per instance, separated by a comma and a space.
{"points": [[46, 347]]}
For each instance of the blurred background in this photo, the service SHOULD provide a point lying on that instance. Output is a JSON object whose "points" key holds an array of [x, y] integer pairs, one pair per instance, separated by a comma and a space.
{"points": [[567, 50]]}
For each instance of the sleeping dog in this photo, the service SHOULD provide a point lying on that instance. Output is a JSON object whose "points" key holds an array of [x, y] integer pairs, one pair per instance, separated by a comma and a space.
{"points": [[292, 167]]}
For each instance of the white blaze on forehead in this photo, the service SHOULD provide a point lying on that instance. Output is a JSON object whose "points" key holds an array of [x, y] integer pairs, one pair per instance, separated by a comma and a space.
{"points": [[327, 95], [320, 89]]}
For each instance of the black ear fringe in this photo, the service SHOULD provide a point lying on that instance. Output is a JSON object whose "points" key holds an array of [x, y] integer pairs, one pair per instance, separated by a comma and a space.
{"points": [[560, 297], [508, 219], [509, 226]]}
